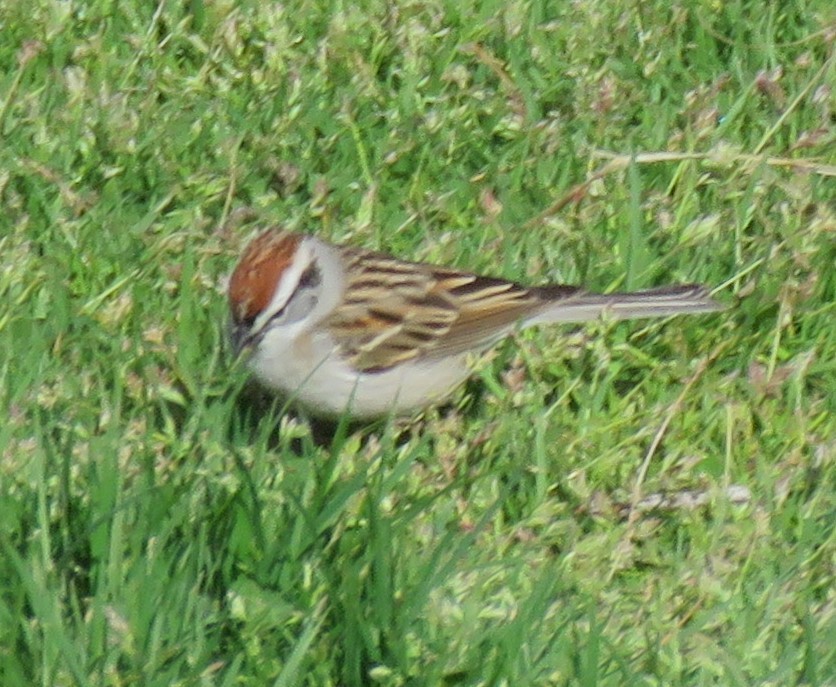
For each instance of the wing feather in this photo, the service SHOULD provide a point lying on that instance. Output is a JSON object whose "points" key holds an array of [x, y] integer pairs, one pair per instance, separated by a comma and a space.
{"points": [[396, 311]]}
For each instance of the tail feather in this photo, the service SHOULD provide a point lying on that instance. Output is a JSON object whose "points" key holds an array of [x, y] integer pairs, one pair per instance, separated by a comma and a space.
{"points": [[583, 306]]}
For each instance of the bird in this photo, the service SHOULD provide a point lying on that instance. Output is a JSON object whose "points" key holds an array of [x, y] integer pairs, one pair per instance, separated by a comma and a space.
{"points": [[340, 330]]}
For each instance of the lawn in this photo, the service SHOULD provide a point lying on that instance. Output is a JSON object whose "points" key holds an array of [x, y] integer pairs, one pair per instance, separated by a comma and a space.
{"points": [[638, 503]]}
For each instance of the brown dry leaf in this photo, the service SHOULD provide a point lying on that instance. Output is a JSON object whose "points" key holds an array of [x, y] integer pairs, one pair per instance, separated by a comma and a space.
{"points": [[765, 385], [767, 83], [810, 139], [490, 204]]}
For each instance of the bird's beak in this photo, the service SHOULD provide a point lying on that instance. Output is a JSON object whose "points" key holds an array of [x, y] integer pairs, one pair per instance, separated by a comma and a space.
{"points": [[239, 337]]}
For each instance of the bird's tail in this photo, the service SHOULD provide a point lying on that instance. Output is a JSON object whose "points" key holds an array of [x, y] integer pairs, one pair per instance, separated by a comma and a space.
{"points": [[582, 306]]}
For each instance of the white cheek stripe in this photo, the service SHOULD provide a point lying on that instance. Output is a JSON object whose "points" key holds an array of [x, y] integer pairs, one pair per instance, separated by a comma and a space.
{"points": [[288, 283]]}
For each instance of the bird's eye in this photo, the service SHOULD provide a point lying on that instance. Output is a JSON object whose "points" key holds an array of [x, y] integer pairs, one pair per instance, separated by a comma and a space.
{"points": [[310, 277]]}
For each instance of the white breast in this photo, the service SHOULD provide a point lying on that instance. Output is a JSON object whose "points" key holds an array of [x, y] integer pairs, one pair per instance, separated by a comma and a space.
{"points": [[309, 372]]}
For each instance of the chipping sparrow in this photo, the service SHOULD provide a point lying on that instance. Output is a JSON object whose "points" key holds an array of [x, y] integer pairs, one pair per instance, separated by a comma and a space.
{"points": [[342, 329]]}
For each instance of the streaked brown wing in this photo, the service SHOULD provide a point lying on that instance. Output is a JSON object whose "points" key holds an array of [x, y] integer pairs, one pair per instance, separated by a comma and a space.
{"points": [[488, 310], [397, 311]]}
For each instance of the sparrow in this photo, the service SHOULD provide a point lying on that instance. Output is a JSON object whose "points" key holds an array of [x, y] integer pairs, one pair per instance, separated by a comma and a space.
{"points": [[339, 329]]}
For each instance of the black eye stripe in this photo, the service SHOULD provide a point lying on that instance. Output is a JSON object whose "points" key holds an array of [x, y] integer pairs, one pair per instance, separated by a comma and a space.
{"points": [[311, 278]]}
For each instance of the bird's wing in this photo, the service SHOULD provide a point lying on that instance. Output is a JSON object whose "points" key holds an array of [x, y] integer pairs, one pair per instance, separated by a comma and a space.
{"points": [[395, 311]]}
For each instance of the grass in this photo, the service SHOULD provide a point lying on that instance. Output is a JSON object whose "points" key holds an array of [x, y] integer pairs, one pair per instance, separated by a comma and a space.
{"points": [[161, 524]]}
